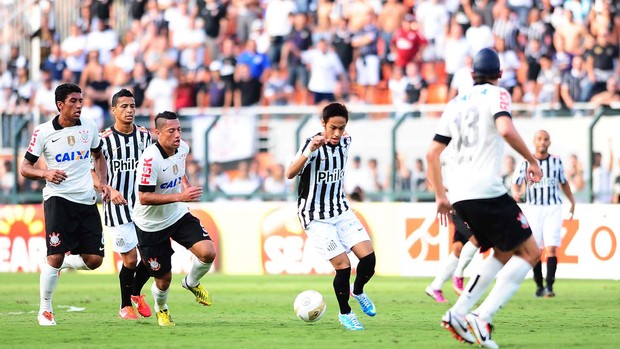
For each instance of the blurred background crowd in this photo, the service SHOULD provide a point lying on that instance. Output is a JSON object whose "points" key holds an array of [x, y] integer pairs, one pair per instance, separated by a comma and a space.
{"points": [[176, 54]]}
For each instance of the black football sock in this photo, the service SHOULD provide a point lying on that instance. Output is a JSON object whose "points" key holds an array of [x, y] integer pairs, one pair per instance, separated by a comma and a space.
{"points": [[552, 266], [142, 276], [365, 271], [126, 277], [538, 279], [341, 288]]}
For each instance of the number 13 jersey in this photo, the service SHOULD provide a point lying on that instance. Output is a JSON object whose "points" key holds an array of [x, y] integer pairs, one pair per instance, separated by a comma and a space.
{"points": [[467, 125]]}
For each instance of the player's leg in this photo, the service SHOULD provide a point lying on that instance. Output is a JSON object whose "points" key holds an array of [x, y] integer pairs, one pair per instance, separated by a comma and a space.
{"points": [[535, 217], [126, 278], [137, 298], [88, 255], [47, 284], [445, 273], [467, 254], [160, 289], [552, 236]]}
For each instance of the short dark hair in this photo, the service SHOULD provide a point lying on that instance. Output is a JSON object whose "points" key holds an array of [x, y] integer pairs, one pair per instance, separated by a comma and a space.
{"points": [[167, 115], [63, 90], [122, 93], [334, 109]]}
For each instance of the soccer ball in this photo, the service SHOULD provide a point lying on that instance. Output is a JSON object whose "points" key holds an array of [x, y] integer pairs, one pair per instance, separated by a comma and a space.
{"points": [[310, 306]]}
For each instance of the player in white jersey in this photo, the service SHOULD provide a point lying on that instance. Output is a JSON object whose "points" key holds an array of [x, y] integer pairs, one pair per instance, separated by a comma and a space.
{"points": [[72, 220], [475, 125], [544, 207], [122, 145], [325, 213], [161, 214]]}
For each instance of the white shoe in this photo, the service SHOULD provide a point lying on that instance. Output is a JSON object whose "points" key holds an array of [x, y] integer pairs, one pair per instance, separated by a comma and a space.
{"points": [[482, 330], [46, 318], [457, 327]]}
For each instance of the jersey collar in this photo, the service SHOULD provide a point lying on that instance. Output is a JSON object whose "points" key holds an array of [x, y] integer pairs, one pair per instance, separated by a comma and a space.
{"points": [[58, 126], [163, 152], [133, 131]]}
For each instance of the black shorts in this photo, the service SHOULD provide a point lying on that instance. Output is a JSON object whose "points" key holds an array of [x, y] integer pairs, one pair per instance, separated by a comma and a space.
{"points": [[72, 227], [461, 232], [156, 249], [496, 222]]}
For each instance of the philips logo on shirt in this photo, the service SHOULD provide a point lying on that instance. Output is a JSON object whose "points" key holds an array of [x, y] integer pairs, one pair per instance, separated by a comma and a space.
{"points": [[545, 182], [171, 184], [73, 155], [330, 176], [124, 165]]}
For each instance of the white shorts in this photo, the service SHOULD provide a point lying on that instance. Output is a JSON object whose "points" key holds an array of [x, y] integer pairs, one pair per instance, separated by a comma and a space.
{"points": [[546, 224], [368, 70], [336, 235], [124, 237]]}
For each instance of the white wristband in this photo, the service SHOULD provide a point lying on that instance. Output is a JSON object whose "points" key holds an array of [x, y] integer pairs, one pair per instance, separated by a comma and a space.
{"points": [[307, 152]]}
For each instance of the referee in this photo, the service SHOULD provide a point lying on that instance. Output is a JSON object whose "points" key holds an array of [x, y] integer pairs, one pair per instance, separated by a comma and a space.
{"points": [[544, 207]]}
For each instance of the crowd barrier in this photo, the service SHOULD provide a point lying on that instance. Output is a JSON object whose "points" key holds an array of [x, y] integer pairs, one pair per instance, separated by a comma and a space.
{"points": [[257, 238]]}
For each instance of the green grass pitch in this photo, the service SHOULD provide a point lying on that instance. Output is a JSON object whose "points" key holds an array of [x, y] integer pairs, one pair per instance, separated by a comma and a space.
{"points": [[256, 312]]}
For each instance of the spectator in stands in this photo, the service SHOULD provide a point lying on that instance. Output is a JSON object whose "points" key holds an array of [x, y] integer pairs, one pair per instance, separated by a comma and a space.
{"points": [[510, 63], [103, 40], [247, 11], [574, 174], [194, 172], [610, 95], [16, 61], [100, 90], [390, 21], [92, 66], [74, 51], [325, 72], [54, 63], [572, 84], [277, 90], [44, 98], [479, 35], [341, 42], [419, 176], [578, 8], [601, 176], [506, 27], [278, 19], [92, 111], [299, 41], [533, 54], [7, 178], [159, 95], [571, 33], [138, 84], [521, 8], [248, 90], [600, 65], [257, 63], [212, 90], [217, 178], [417, 87], [539, 31], [433, 18], [228, 58], [408, 43], [367, 64], [462, 80], [358, 178], [275, 184], [561, 59], [260, 36], [378, 178], [458, 51], [213, 14], [244, 185], [402, 179], [186, 90], [547, 92], [398, 91], [189, 40], [325, 18]]}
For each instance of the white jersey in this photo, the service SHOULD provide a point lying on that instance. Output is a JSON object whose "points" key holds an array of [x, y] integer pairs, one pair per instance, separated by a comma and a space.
{"points": [[121, 152], [547, 191], [68, 149], [162, 174], [468, 126]]}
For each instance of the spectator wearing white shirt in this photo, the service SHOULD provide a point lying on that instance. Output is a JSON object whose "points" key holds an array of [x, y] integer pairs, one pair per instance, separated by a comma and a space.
{"points": [[479, 35], [278, 25], [92, 111], [433, 17], [325, 71], [73, 50], [462, 80], [103, 39], [510, 63], [160, 93], [397, 86], [44, 99], [458, 49]]}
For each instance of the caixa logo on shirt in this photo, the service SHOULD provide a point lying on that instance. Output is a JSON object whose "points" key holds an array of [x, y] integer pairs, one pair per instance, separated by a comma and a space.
{"points": [[173, 183], [330, 176], [73, 155]]}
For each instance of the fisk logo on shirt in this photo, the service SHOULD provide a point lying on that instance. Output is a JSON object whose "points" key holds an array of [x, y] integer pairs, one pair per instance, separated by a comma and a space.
{"points": [[33, 140], [73, 155], [173, 183], [330, 176], [147, 169]]}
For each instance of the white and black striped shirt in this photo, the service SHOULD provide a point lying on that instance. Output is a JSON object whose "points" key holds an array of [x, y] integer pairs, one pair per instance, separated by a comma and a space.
{"points": [[321, 193], [122, 152], [547, 191]]}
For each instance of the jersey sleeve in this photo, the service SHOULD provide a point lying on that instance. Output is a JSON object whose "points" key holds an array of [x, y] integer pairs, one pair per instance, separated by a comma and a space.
{"points": [[518, 177], [561, 174], [300, 151], [147, 170], [96, 143], [442, 132], [35, 147], [501, 105]]}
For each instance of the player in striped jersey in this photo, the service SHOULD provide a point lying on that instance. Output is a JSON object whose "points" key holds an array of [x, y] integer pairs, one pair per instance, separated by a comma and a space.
{"points": [[544, 207], [122, 145], [72, 220], [475, 125], [325, 214]]}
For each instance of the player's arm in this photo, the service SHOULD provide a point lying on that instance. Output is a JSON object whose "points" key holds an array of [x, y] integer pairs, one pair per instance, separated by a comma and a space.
{"points": [[569, 195], [433, 160], [30, 171], [506, 128], [518, 181], [101, 169], [148, 197], [300, 160]]}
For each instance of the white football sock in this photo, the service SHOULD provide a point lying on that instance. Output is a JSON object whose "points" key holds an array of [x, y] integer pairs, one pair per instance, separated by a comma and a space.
{"points": [[160, 297], [47, 284], [199, 269], [477, 286], [445, 273], [74, 261], [467, 253], [507, 284]]}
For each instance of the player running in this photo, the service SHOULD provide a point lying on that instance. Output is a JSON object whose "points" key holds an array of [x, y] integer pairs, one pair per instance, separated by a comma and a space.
{"points": [[475, 125], [161, 214], [326, 216]]}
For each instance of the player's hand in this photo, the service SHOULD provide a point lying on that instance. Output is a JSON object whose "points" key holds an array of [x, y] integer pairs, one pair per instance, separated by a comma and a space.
{"points": [[105, 192], [444, 210], [116, 197], [534, 173], [317, 141], [191, 194], [571, 211], [55, 176]]}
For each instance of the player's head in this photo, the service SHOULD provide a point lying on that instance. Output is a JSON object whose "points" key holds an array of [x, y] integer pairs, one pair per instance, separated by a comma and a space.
{"points": [[69, 100], [486, 67], [334, 119], [542, 141], [168, 130], [123, 106]]}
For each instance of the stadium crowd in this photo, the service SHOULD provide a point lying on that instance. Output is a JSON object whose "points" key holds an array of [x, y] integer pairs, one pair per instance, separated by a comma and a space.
{"points": [[174, 54]]}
